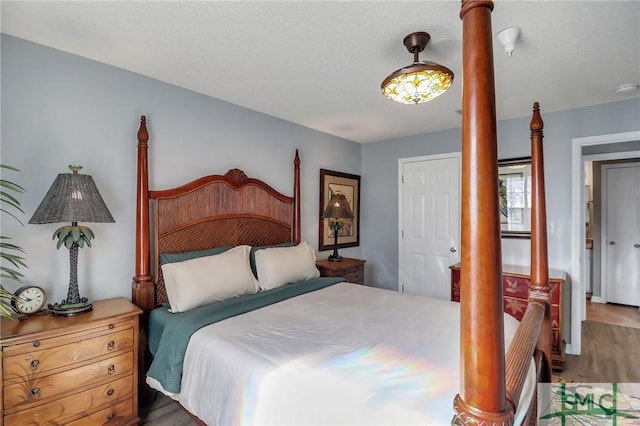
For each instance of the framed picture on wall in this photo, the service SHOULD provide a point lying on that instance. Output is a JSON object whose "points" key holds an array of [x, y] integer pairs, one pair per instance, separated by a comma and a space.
{"points": [[514, 197], [332, 182]]}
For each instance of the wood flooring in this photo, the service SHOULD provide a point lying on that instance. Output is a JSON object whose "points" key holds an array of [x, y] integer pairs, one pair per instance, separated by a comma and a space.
{"points": [[164, 412], [609, 313], [610, 353], [610, 346]]}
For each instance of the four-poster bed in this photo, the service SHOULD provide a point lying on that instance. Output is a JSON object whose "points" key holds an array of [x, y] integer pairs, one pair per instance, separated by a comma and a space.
{"points": [[233, 210]]}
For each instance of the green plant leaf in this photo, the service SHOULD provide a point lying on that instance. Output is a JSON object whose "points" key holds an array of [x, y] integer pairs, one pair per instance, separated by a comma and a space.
{"points": [[10, 273], [17, 261], [12, 186], [9, 205]]}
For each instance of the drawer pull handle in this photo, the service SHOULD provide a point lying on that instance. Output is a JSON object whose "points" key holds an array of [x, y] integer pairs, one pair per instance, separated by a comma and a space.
{"points": [[110, 392], [111, 345], [35, 393], [111, 326], [36, 344], [111, 369], [34, 364], [111, 416]]}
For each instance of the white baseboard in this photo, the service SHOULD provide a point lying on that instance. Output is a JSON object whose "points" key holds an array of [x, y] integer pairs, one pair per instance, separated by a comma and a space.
{"points": [[597, 299], [568, 349]]}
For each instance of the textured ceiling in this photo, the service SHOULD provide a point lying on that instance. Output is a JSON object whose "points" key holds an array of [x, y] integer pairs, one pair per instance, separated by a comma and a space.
{"points": [[320, 64]]}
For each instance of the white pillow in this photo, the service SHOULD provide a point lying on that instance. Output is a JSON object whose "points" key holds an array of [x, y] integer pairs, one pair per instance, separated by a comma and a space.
{"points": [[207, 279], [277, 266]]}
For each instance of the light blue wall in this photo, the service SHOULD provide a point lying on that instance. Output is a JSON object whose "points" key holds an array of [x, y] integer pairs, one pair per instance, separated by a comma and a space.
{"points": [[60, 109], [380, 172]]}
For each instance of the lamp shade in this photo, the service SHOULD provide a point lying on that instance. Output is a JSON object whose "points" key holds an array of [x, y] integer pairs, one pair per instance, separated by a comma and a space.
{"points": [[73, 197], [419, 82], [337, 208]]}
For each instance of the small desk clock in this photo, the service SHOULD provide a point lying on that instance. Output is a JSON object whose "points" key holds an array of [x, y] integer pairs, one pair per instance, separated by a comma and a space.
{"points": [[29, 299]]}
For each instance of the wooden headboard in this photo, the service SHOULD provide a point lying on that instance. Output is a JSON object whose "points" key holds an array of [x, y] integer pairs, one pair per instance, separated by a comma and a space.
{"points": [[216, 210]]}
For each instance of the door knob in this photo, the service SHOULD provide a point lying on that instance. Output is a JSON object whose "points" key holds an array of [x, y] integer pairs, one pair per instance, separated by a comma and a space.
{"points": [[636, 245], [453, 250], [612, 243]]}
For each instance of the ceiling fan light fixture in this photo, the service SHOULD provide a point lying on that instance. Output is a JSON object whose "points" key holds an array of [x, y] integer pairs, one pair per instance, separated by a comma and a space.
{"points": [[419, 82]]}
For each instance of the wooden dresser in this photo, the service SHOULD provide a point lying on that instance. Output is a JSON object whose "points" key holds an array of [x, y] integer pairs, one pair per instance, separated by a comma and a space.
{"points": [[352, 270], [515, 288], [79, 370]]}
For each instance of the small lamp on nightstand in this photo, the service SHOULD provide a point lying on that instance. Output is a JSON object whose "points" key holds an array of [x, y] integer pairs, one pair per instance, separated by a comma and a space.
{"points": [[337, 210], [73, 197]]}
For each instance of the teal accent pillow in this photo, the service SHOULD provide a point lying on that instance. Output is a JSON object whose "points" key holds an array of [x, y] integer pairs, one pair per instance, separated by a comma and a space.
{"points": [[188, 255], [252, 254]]}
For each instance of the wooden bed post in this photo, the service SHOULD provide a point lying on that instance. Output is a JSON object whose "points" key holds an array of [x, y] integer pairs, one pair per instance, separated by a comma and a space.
{"points": [[142, 291], [297, 228], [539, 289], [482, 398], [142, 287]]}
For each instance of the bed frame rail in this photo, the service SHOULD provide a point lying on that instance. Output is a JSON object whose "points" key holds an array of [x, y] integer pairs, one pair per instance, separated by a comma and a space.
{"points": [[521, 350]]}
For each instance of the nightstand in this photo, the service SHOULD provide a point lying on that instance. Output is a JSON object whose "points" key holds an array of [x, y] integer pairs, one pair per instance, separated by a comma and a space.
{"points": [[72, 370], [351, 270]]}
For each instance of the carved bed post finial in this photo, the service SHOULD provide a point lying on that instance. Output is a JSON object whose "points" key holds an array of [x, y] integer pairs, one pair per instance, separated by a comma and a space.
{"points": [[297, 237], [143, 134], [482, 397], [536, 120]]}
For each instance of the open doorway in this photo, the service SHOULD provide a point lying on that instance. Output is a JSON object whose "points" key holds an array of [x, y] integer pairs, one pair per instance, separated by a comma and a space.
{"points": [[616, 230], [615, 146]]}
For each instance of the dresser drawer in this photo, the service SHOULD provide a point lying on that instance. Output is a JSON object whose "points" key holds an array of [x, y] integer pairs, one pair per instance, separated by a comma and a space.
{"points": [[67, 351], [119, 414], [25, 392], [81, 404], [66, 339], [356, 276]]}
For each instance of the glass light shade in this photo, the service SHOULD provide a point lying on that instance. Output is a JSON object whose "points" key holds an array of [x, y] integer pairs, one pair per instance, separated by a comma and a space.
{"points": [[417, 83]]}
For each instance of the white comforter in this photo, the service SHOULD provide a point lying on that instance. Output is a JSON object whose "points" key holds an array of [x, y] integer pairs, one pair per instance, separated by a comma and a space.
{"points": [[343, 355]]}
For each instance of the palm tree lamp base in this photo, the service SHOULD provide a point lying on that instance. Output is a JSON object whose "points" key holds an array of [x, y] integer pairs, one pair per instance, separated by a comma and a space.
{"points": [[335, 257], [70, 309]]}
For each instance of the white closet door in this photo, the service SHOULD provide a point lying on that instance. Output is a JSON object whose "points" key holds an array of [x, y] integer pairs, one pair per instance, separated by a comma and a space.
{"points": [[430, 221]]}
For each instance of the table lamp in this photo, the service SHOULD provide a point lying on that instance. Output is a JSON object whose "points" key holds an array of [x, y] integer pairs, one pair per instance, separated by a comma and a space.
{"points": [[73, 197], [337, 210]]}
